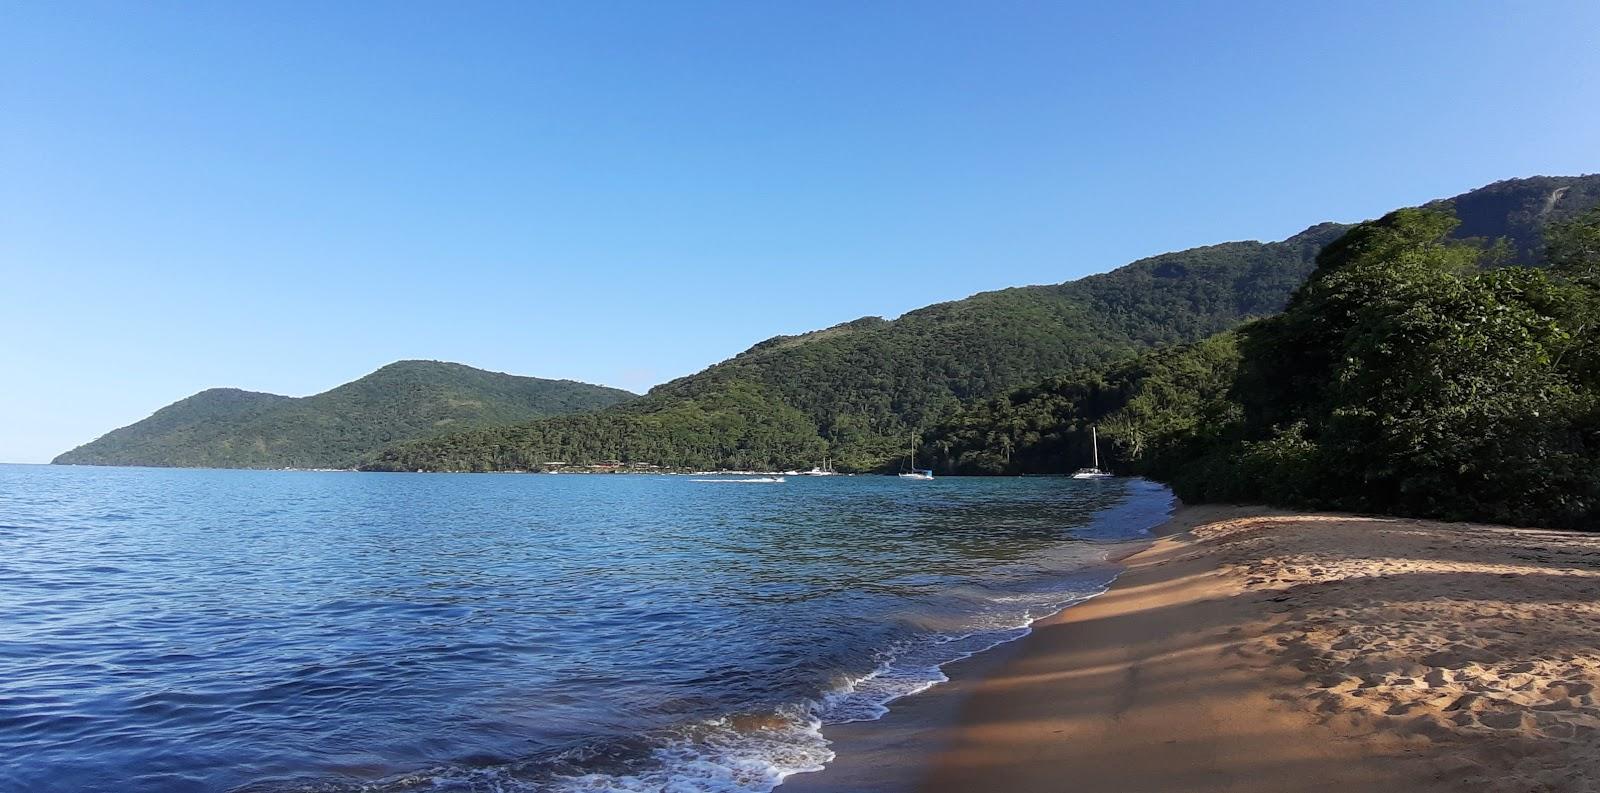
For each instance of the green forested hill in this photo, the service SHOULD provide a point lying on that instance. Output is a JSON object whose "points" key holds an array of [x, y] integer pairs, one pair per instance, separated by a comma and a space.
{"points": [[1141, 406], [859, 392], [229, 428], [870, 385], [1519, 210], [1403, 378]]}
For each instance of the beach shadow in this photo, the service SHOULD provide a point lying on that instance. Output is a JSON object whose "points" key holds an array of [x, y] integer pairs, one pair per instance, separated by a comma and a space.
{"points": [[1176, 680]]}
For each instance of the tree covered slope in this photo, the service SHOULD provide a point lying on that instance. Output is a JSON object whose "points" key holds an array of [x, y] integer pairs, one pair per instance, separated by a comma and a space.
{"points": [[229, 428], [859, 392], [1405, 377]]}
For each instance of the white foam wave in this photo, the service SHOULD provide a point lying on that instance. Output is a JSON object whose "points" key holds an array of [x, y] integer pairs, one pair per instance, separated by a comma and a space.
{"points": [[918, 665], [755, 754], [721, 756]]}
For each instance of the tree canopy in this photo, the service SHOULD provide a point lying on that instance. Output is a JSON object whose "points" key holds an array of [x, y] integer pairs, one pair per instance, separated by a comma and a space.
{"points": [[1404, 377]]}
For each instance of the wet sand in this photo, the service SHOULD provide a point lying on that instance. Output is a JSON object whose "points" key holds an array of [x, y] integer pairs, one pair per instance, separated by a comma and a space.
{"points": [[1257, 650]]}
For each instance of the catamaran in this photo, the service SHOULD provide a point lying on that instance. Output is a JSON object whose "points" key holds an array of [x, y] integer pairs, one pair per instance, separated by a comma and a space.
{"points": [[1093, 472], [913, 472]]}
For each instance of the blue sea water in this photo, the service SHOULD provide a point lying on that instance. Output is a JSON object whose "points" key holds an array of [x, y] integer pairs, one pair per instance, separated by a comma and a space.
{"points": [[202, 630]]}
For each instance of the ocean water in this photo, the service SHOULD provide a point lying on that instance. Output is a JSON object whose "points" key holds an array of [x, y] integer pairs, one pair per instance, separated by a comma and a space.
{"points": [[196, 630]]}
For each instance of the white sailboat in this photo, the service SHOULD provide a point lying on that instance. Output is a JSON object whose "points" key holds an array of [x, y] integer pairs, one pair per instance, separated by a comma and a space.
{"points": [[1093, 472], [826, 469], [913, 471]]}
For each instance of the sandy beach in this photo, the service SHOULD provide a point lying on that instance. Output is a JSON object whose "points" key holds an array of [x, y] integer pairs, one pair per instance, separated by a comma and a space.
{"points": [[1258, 650]]}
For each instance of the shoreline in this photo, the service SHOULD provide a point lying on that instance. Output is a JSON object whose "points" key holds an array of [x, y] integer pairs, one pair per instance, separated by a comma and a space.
{"points": [[1254, 649], [889, 754]]}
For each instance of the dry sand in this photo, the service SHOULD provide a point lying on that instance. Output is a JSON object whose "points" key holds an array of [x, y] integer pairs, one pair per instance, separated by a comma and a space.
{"points": [[1267, 651]]}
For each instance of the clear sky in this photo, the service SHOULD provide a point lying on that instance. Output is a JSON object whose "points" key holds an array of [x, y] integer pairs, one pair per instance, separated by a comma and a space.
{"points": [[283, 196]]}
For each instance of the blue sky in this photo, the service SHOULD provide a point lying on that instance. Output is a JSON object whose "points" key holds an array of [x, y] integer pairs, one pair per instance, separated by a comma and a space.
{"points": [[283, 196]]}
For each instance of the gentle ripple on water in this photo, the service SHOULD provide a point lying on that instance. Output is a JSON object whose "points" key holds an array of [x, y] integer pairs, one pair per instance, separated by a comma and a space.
{"points": [[182, 630]]}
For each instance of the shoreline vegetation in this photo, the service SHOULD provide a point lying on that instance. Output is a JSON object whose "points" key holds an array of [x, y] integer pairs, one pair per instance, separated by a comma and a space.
{"points": [[1254, 649], [1487, 273], [1418, 369], [1164, 354], [1413, 374]]}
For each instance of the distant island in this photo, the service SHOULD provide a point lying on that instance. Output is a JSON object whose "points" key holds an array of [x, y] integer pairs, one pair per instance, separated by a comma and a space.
{"points": [[339, 428]]}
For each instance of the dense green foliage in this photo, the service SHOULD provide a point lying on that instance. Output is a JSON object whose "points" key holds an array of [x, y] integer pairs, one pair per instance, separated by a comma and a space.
{"points": [[860, 392], [1404, 378], [1520, 212], [1574, 247], [229, 428], [867, 387], [1144, 408], [735, 427]]}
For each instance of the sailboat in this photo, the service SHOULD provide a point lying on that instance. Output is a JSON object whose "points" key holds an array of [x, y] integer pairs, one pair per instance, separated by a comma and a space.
{"points": [[1093, 472], [826, 469], [913, 472]]}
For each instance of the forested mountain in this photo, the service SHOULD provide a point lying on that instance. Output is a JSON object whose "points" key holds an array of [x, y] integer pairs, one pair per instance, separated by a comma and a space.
{"points": [[229, 428], [861, 391], [1403, 378], [1141, 406], [1519, 211]]}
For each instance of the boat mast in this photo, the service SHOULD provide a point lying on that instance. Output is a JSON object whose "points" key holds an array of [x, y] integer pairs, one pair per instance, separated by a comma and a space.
{"points": [[1094, 440]]}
